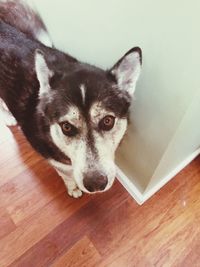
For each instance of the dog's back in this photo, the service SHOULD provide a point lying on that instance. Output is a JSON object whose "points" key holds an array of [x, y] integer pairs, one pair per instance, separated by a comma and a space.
{"points": [[23, 16]]}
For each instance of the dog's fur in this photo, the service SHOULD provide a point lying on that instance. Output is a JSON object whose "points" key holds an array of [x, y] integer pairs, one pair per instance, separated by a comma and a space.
{"points": [[72, 113]]}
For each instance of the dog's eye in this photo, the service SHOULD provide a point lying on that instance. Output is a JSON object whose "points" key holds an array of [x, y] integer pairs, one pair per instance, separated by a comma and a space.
{"points": [[107, 123], [68, 129]]}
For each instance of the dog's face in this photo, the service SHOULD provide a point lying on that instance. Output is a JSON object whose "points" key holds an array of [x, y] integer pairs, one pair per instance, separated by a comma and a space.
{"points": [[87, 110]]}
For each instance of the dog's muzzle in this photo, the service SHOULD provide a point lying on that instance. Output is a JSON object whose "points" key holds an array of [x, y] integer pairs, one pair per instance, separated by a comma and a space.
{"points": [[95, 182]]}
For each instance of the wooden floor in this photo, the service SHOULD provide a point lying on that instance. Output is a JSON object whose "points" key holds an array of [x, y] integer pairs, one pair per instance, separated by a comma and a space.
{"points": [[41, 226]]}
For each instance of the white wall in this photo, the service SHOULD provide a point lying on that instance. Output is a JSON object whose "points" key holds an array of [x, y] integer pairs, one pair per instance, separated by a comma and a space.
{"points": [[100, 32], [185, 141]]}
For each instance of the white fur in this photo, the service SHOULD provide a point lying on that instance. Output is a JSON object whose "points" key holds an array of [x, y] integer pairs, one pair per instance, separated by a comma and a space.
{"points": [[83, 91], [43, 73], [107, 144], [76, 148], [72, 116], [66, 173], [98, 112], [128, 71]]}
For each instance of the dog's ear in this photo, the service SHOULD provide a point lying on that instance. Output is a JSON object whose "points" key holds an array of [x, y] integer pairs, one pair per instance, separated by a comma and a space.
{"points": [[43, 72], [127, 70]]}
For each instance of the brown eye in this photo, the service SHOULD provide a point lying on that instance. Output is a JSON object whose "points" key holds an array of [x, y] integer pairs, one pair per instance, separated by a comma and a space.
{"points": [[107, 123], [68, 129]]}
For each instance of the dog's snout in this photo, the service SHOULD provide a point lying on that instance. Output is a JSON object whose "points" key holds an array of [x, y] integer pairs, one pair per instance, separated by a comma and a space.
{"points": [[95, 182]]}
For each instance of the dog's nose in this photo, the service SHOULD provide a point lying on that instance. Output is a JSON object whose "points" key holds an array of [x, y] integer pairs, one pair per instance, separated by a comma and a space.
{"points": [[95, 182]]}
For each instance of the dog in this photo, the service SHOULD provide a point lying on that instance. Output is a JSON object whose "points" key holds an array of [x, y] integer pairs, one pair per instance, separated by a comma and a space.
{"points": [[74, 114]]}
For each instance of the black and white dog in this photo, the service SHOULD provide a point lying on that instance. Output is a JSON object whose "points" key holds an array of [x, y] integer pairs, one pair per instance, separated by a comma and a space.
{"points": [[72, 113]]}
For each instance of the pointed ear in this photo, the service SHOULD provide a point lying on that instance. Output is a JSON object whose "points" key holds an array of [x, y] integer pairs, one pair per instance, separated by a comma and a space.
{"points": [[127, 70], [43, 72]]}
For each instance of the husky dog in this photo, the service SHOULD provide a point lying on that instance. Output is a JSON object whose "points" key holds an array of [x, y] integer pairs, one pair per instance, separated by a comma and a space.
{"points": [[72, 113]]}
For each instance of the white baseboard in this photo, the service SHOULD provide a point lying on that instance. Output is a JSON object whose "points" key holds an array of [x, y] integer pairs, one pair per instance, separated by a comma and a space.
{"points": [[130, 186], [139, 197]]}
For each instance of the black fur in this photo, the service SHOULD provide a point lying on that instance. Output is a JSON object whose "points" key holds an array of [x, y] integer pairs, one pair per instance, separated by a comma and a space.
{"points": [[19, 15], [19, 88]]}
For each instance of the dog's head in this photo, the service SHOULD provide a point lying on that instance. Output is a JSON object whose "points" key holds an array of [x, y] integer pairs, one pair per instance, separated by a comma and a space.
{"points": [[87, 109]]}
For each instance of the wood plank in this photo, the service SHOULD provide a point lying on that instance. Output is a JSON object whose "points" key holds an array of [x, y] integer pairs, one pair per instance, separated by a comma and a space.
{"points": [[17, 156], [41, 226], [191, 255], [67, 233], [83, 254], [126, 259], [37, 227], [23, 183], [36, 198], [6, 224], [160, 231]]}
